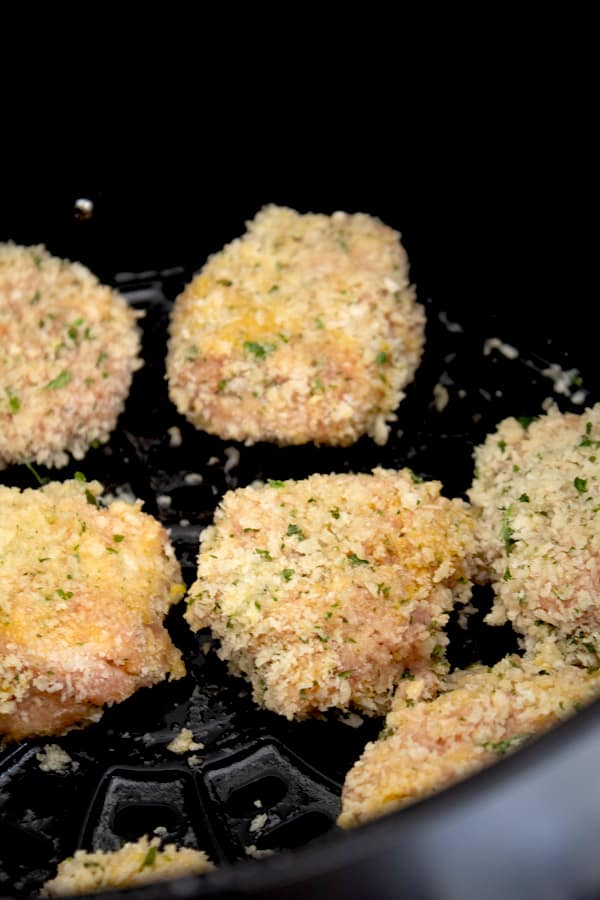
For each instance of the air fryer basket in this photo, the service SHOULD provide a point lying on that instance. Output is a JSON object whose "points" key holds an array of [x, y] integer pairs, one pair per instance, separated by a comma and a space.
{"points": [[123, 781]]}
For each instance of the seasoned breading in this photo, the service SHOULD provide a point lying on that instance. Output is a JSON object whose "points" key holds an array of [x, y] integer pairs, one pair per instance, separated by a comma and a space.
{"points": [[483, 714], [538, 492], [83, 594], [142, 862], [323, 591], [68, 349], [304, 329]]}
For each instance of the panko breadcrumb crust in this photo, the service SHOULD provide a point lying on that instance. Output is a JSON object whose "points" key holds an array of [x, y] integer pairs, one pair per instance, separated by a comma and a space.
{"points": [[142, 862], [537, 490], [304, 329], [323, 591], [482, 714], [83, 594], [68, 349]]}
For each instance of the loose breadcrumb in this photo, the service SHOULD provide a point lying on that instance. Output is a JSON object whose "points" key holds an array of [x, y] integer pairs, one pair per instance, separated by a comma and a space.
{"points": [[483, 714], [304, 329], [184, 742], [134, 864], [68, 349], [83, 593], [537, 490], [323, 591], [53, 758]]}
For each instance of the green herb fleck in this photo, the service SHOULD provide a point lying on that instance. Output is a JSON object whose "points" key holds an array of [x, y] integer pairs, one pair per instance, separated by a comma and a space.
{"points": [[36, 475], [319, 322], [356, 560], [13, 401], [274, 483], [287, 574], [221, 385], [335, 512], [273, 288], [60, 381], [437, 651], [149, 858], [79, 476], [36, 298], [91, 499], [383, 589], [295, 530], [524, 498], [502, 445], [382, 358], [64, 595], [260, 351], [225, 282], [117, 538], [342, 243], [580, 485], [345, 674], [264, 554]]}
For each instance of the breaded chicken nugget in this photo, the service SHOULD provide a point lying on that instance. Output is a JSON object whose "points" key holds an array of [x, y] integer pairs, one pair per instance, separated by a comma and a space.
{"points": [[323, 591], [538, 492], [68, 349], [83, 594], [483, 714], [304, 329], [142, 862]]}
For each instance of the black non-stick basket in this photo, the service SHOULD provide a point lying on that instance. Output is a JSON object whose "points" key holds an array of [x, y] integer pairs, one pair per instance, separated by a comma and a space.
{"points": [[530, 825]]}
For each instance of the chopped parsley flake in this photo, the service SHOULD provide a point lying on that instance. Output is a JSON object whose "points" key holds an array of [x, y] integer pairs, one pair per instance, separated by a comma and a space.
{"points": [[356, 560], [260, 351], [319, 322], [502, 446], [580, 485], [225, 282], [295, 530], [117, 538], [264, 554], [524, 498], [79, 476], [335, 512], [382, 358], [287, 574], [274, 483], [64, 595], [149, 858], [91, 499], [60, 381], [13, 401]]}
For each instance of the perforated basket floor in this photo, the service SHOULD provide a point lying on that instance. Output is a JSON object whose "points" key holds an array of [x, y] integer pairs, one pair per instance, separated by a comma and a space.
{"points": [[123, 781]]}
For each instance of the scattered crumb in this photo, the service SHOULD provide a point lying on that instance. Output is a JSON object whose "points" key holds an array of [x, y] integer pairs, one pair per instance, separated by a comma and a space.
{"points": [[160, 831], [184, 742], [175, 439], [506, 350], [440, 397], [255, 853], [578, 398], [193, 478], [258, 804], [206, 647], [184, 523], [258, 822], [53, 758], [452, 327], [213, 461], [194, 760], [164, 501], [564, 379], [462, 393], [352, 719], [233, 458]]}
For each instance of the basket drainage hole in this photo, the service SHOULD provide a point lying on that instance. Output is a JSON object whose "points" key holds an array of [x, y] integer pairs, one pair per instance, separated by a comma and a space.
{"points": [[267, 791], [299, 831], [132, 822]]}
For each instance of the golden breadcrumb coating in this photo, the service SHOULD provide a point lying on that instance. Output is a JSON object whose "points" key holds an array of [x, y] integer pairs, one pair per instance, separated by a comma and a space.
{"points": [[323, 591], [142, 862], [68, 350], [304, 329], [538, 493], [483, 714], [83, 594]]}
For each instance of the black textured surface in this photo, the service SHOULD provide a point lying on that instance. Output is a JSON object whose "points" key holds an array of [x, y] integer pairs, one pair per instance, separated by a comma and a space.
{"points": [[124, 781]]}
